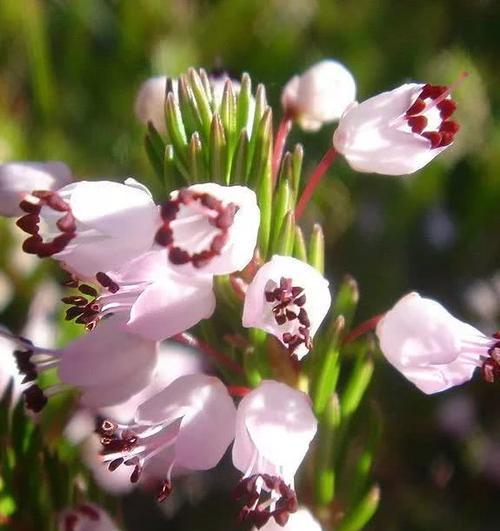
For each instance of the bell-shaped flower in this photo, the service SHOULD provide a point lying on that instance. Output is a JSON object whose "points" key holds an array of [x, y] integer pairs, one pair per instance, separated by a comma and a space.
{"points": [[397, 132], [189, 424], [86, 517], [274, 426], [302, 520], [289, 299], [320, 95], [90, 226], [209, 228], [19, 179], [108, 365], [155, 301], [433, 349]]}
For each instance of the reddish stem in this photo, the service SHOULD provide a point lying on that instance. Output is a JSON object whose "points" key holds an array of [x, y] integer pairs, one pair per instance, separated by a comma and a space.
{"points": [[279, 144], [313, 181], [238, 391], [362, 328], [219, 357]]}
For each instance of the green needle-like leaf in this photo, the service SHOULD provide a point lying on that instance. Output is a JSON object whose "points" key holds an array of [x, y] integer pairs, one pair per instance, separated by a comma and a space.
{"points": [[218, 147], [196, 163], [243, 104], [361, 514], [239, 163], [299, 245], [203, 98], [286, 235], [317, 249]]}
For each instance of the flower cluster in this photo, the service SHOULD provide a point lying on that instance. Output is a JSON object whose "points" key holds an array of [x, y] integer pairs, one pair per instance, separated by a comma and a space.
{"points": [[144, 268]]}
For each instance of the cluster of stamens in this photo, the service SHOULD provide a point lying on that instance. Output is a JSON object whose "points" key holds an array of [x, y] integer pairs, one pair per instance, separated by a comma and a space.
{"points": [[417, 121], [491, 365], [30, 223], [34, 396], [85, 308], [72, 519], [220, 216], [115, 441], [288, 306], [265, 497]]}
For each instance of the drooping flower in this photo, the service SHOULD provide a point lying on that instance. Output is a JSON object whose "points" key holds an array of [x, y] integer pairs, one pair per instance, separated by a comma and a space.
{"points": [[209, 228], [18, 179], [86, 517], [320, 95], [274, 426], [433, 349], [397, 132], [289, 299], [189, 424], [155, 301], [108, 365], [90, 226], [302, 520]]}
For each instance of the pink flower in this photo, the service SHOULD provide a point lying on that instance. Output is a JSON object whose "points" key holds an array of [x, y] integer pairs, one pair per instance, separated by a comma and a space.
{"points": [[86, 517], [433, 349], [274, 426], [397, 132], [209, 228], [18, 179], [108, 365], [320, 95], [289, 299], [189, 424], [155, 301], [302, 520], [90, 226]]}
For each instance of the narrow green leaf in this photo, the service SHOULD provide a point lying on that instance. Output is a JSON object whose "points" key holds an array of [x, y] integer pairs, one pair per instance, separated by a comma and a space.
{"points": [[228, 117], [324, 477], [196, 163], [175, 128], [361, 514], [262, 151], [297, 157], [172, 177], [265, 200], [218, 146], [243, 103], [346, 299], [299, 245], [317, 249], [260, 108], [281, 206], [286, 236], [238, 168], [188, 107], [203, 98], [356, 386]]}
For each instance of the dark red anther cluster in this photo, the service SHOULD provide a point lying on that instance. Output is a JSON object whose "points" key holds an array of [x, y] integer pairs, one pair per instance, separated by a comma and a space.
{"points": [[274, 490], [288, 298], [417, 120], [219, 215], [491, 366], [29, 223], [34, 398]]}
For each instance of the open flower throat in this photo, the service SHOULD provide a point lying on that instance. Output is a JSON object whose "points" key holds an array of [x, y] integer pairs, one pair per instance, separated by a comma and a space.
{"points": [[288, 309], [200, 221], [63, 231], [429, 116], [491, 366]]}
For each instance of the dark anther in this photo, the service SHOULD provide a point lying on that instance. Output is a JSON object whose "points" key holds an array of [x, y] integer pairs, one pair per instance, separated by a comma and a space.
{"points": [[29, 208], [88, 290], [178, 256], [164, 490], [34, 398], [29, 223], [115, 464]]}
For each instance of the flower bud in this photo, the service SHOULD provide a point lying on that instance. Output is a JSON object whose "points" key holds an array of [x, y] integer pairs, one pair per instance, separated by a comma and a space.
{"points": [[320, 95]]}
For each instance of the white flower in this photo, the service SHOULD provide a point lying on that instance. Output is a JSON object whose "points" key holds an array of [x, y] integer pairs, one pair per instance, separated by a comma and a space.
{"points": [[209, 228], [274, 426], [289, 299], [302, 520], [18, 179], [86, 517], [155, 301], [320, 95], [433, 349], [189, 424], [90, 226], [108, 365], [397, 132]]}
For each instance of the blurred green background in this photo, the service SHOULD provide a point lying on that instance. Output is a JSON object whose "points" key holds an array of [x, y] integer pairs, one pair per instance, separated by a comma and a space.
{"points": [[69, 72]]}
